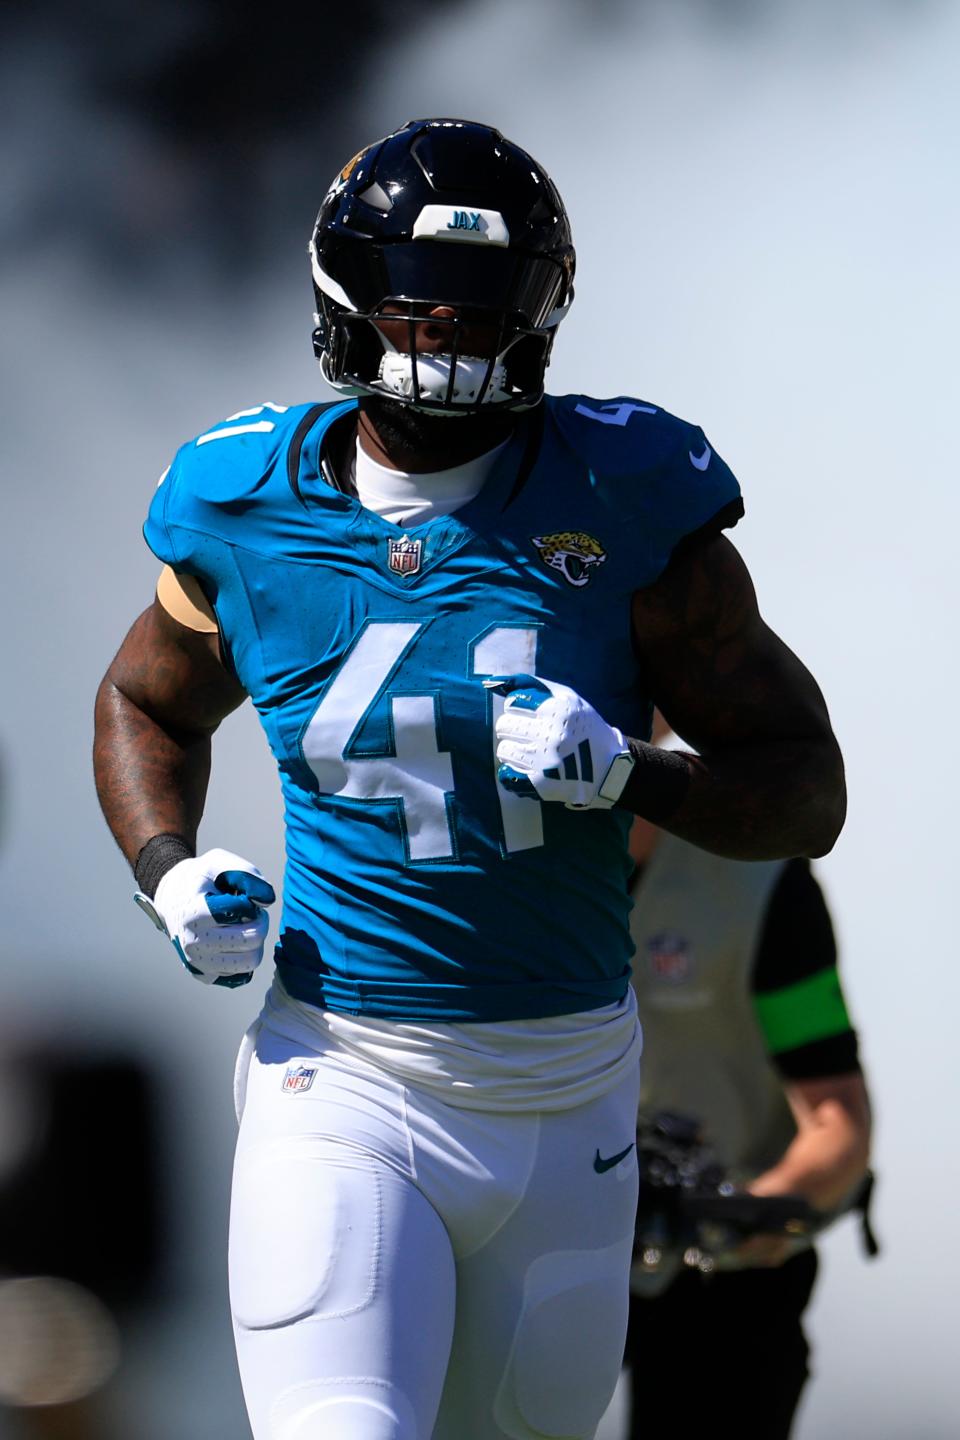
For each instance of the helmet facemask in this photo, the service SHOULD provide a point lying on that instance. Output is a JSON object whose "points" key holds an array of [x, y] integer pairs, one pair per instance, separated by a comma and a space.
{"points": [[452, 379]]}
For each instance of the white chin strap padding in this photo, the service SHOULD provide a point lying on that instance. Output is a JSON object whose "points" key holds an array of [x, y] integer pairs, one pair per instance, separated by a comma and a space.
{"points": [[433, 376]]}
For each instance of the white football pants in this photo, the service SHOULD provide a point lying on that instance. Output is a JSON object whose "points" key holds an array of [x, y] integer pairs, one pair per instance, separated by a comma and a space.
{"points": [[401, 1269]]}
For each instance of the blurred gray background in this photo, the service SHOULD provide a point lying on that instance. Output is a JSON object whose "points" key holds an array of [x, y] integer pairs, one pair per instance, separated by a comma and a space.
{"points": [[765, 203]]}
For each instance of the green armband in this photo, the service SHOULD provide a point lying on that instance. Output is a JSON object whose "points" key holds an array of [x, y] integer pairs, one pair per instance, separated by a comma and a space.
{"points": [[812, 1009]]}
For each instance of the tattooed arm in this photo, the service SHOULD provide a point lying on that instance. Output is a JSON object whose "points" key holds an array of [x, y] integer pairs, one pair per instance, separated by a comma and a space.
{"points": [[768, 781], [163, 696]]}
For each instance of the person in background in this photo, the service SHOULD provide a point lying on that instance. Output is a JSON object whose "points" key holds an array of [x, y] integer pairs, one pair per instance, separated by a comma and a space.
{"points": [[746, 1031]]}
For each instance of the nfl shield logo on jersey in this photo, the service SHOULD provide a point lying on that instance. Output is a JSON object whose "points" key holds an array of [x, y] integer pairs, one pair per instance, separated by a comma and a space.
{"points": [[298, 1077], [668, 955], [405, 556]]}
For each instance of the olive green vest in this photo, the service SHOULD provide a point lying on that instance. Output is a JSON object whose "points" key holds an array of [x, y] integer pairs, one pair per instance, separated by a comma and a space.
{"points": [[696, 926]]}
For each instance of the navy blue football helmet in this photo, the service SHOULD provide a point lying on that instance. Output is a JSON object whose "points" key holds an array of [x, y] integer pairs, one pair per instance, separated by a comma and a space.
{"points": [[441, 213]]}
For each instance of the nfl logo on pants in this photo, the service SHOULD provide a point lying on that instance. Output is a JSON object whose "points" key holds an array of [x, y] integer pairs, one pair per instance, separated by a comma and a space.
{"points": [[404, 558], [298, 1077]]}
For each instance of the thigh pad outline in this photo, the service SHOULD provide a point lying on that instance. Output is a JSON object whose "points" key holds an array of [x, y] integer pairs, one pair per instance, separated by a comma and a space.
{"points": [[355, 1407], [305, 1234], [568, 1346]]}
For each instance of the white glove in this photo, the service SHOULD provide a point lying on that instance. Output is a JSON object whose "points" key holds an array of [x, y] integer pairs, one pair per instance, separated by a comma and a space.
{"points": [[211, 908], [552, 745]]}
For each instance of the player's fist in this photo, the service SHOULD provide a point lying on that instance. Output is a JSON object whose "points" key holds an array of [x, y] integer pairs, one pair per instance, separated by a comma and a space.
{"points": [[552, 745], [211, 908]]}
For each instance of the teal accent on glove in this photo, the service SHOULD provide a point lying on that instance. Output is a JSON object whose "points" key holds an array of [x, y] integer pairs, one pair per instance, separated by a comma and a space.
{"points": [[516, 782], [241, 882], [526, 692]]}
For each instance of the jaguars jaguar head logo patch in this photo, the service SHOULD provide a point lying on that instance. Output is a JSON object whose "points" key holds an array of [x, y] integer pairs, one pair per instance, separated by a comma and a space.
{"points": [[573, 552]]}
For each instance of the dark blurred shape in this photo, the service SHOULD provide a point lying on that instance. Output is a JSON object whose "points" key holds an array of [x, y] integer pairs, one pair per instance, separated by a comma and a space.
{"points": [[231, 67], [688, 1204], [195, 135], [79, 1192]]}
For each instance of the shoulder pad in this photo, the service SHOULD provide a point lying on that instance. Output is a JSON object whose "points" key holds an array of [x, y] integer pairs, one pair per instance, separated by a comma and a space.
{"points": [[234, 457], [215, 477], [659, 474], [624, 436]]}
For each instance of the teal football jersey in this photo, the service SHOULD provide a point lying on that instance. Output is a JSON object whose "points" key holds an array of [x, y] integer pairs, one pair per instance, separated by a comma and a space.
{"points": [[415, 885]]}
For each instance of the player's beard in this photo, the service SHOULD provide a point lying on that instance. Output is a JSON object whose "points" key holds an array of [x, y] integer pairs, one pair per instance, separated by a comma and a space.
{"points": [[434, 442]]}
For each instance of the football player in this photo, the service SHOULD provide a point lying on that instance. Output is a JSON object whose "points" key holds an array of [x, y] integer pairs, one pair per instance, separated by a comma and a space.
{"points": [[453, 601]]}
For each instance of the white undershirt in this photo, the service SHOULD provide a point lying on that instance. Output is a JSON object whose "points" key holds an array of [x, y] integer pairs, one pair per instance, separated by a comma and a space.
{"points": [[509, 1065], [406, 499]]}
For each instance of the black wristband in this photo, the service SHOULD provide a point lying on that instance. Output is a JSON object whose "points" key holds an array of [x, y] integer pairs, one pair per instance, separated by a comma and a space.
{"points": [[159, 855], [657, 784]]}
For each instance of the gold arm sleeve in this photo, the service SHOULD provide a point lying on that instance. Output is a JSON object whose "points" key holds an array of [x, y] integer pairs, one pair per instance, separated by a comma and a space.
{"points": [[181, 597]]}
